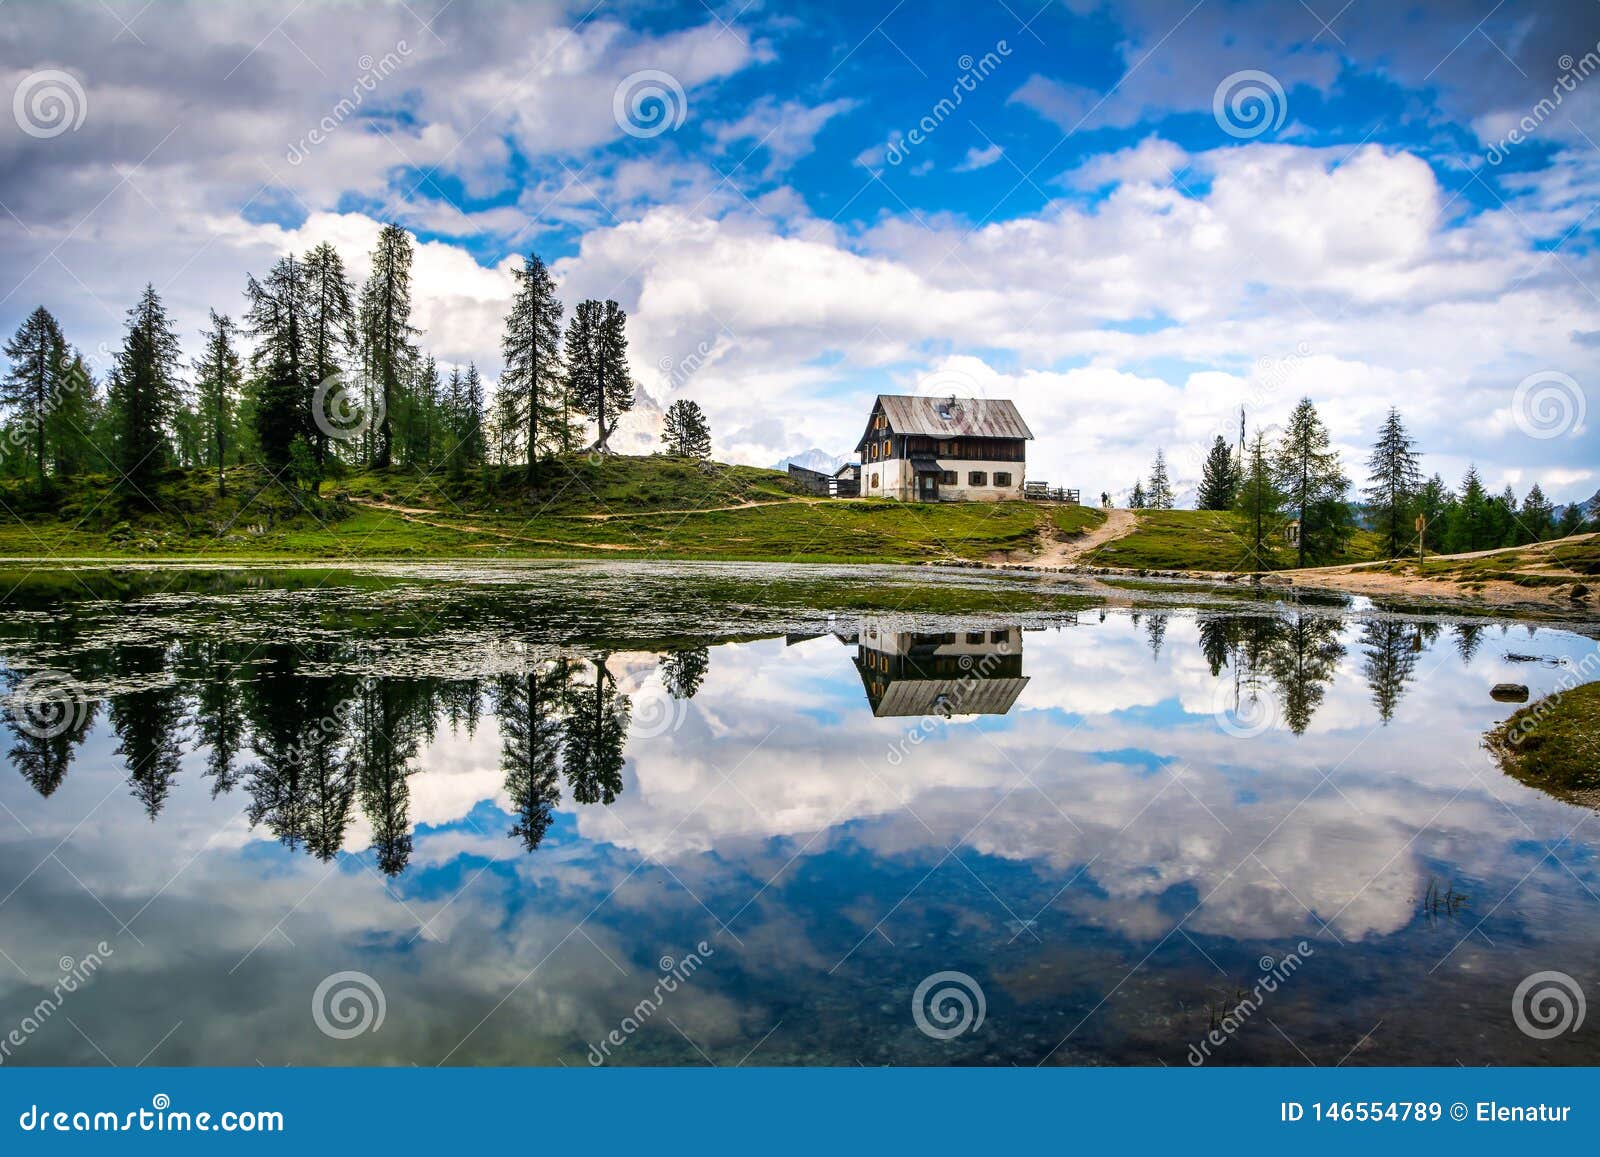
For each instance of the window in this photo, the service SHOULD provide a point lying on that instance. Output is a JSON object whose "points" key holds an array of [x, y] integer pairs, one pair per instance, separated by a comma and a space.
{"points": [[947, 448], [1001, 478], [874, 480], [948, 477], [977, 478], [885, 447], [874, 456], [974, 637]]}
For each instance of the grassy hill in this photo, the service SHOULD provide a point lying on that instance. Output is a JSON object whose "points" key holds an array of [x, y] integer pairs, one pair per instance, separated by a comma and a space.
{"points": [[1205, 540], [615, 507]]}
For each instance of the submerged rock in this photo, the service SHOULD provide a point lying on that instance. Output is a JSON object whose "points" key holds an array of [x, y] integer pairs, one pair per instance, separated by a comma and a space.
{"points": [[1509, 693]]}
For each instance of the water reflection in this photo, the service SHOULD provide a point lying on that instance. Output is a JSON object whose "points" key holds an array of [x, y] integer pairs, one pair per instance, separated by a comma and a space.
{"points": [[1084, 828]]}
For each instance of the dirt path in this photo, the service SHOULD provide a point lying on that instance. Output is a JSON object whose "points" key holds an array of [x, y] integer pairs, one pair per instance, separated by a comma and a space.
{"points": [[608, 517], [1065, 550]]}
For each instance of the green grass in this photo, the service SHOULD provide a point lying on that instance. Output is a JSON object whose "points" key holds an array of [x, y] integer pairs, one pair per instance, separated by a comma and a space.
{"points": [[1554, 744], [1075, 520], [1205, 540], [614, 507]]}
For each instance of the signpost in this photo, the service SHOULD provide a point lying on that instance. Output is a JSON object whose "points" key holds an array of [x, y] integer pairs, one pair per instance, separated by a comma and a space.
{"points": [[1422, 531]]}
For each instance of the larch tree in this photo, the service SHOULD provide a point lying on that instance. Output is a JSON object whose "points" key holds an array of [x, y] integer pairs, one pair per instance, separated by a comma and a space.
{"points": [[597, 365], [1309, 474], [1219, 478], [148, 392], [1159, 496], [388, 348], [37, 353], [1395, 480], [217, 384], [532, 384], [1259, 502], [330, 325], [282, 384], [684, 430]]}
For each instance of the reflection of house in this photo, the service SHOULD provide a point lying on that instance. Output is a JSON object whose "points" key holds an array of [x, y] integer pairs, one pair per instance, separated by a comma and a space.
{"points": [[954, 449], [1291, 532], [941, 673]]}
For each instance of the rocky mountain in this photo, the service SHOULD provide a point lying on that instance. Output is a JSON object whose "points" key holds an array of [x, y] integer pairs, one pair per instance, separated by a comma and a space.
{"points": [[812, 459]]}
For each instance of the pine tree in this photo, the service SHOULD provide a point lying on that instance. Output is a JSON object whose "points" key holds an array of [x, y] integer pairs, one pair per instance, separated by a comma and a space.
{"points": [[1538, 517], [597, 366], [1136, 500], [147, 394], [1307, 470], [532, 383], [282, 385], [1395, 481], [330, 325], [684, 431], [1219, 478], [388, 350], [37, 354], [217, 382], [1468, 526], [1160, 494], [1259, 503]]}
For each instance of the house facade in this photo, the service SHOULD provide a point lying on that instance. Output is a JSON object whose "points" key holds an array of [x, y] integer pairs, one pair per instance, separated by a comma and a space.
{"points": [[918, 449]]}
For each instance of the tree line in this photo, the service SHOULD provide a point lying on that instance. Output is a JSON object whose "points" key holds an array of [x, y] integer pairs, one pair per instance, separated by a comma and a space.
{"points": [[1300, 477], [336, 378]]}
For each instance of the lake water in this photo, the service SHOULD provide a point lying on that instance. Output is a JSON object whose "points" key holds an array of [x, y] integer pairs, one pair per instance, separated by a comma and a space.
{"points": [[650, 815]]}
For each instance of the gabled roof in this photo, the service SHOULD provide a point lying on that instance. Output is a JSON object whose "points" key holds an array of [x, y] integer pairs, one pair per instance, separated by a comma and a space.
{"points": [[947, 417]]}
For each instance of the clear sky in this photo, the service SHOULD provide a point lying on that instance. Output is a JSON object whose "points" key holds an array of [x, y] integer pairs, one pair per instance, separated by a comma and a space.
{"points": [[1130, 217]]}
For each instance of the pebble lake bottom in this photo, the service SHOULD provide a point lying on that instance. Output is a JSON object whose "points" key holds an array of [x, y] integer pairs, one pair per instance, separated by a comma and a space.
{"points": [[395, 819]]}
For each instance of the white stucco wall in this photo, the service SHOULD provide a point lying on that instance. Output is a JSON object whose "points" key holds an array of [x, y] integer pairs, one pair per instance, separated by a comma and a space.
{"points": [[897, 480]]}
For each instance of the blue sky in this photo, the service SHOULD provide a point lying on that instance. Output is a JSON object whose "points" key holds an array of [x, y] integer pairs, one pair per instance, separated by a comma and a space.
{"points": [[1137, 217]]}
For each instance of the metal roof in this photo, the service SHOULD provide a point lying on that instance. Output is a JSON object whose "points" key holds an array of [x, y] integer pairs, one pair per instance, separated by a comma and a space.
{"points": [[904, 697], [950, 417]]}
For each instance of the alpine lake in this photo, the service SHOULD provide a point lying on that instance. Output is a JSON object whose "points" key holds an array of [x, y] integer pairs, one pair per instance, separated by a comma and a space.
{"points": [[671, 814]]}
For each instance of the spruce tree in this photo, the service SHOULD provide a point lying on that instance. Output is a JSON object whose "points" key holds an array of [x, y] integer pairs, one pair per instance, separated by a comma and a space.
{"points": [[37, 353], [1259, 503], [1395, 481], [1307, 470], [1537, 522], [533, 381], [217, 382], [1136, 500], [1571, 520], [473, 446], [388, 350], [282, 385], [684, 431], [74, 414], [1219, 478], [147, 394], [1160, 493], [1468, 526], [330, 325]]}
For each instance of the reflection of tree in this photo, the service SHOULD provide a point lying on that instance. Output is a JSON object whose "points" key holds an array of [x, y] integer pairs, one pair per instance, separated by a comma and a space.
{"points": [[1391, 662], [1156, 633], [44, 760], [1302, 658], [218, 714], [387, 727], [528, 707], [148, 722], [683, 671], [301, 789], [597, 728], [1468, 638], [1217, 640]]}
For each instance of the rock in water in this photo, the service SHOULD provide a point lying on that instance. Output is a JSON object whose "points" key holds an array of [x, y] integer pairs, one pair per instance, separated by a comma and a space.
{"points": [[1509, 693]]}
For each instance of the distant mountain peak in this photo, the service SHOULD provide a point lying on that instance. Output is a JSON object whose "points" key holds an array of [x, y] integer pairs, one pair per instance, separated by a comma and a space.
{"points": [[812, 459]]}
